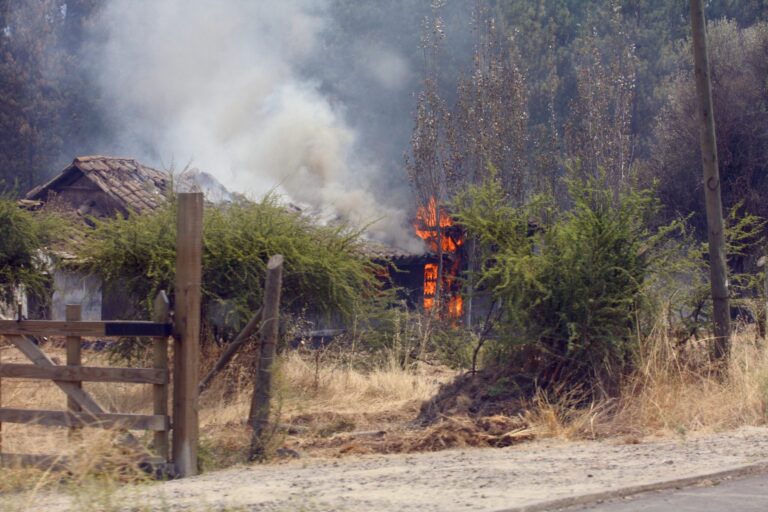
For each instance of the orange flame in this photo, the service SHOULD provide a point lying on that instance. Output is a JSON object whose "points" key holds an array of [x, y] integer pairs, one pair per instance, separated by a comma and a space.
{"points": [[430, 285], [431, 229], [427, 229], [456, 307]]}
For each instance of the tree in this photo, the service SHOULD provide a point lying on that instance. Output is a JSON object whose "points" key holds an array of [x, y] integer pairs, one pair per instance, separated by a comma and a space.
{"points": [[28, 102], [489, 129], [598, 131], [47, 107], [429, 165], [738, 60], [490, 121]]}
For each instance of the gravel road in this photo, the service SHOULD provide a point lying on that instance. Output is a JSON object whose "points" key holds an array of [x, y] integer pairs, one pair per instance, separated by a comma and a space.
{"points": [[453, 480]]}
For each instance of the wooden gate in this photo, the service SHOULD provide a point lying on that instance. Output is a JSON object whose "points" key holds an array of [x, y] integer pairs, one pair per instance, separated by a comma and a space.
{"points": [[82, 410]]}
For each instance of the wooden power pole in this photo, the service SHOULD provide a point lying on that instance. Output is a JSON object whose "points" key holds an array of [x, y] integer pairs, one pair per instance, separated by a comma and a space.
{"points": [[718, 269]]}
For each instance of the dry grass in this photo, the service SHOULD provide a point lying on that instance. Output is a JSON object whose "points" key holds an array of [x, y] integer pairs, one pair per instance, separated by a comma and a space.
{"points": [[325, 406], [678, 391], [314, 399], [675, 390]]}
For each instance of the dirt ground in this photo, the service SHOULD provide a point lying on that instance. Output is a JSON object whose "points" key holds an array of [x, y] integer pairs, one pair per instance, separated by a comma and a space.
{"points": [[452, 480]]}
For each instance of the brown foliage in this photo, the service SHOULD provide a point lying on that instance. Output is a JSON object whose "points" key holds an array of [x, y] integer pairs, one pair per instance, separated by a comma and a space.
{"points": [[739, 63]]}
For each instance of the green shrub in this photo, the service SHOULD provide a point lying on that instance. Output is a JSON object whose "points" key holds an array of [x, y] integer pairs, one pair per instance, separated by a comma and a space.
{"points": [[569, 290], [682, 284], [23, 237], [325, 271]]}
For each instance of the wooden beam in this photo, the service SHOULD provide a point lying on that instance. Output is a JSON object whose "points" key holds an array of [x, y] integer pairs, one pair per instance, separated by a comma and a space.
{"points": [[37, 356], [84, 419], [262, 393], [40, 461], [85, 373], [84, 329], [249, 330], [55, 462], [186, 345], [73, 313], [161, 313]]}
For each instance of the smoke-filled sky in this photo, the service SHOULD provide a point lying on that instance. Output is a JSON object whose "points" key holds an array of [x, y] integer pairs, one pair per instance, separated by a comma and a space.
{"points": [[263, 94]]}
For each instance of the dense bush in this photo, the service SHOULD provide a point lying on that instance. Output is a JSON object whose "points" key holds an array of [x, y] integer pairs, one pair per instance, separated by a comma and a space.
{"points": [[325, 270], [568, 290], [23, 237]]}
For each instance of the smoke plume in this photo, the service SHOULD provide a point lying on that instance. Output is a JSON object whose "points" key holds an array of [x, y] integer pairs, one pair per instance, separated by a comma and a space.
{"points": [[240, 89]]}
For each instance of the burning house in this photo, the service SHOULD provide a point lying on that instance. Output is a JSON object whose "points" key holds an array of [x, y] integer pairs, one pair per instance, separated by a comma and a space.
{"points": [[445, 241], [99, 186], [417, 274]]}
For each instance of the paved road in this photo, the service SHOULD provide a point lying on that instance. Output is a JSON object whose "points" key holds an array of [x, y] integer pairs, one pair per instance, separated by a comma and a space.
{"points": [[748, 495]]}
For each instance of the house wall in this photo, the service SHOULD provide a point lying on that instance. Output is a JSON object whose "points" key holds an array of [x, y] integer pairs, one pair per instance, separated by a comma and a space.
{"points": [[409, 278], [11, 311], [87, 198], [72, 287], [116, 303]]}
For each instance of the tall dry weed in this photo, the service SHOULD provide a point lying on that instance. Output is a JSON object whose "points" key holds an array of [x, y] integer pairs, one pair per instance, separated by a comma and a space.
{"points": [[679, 389], [675, 389]]}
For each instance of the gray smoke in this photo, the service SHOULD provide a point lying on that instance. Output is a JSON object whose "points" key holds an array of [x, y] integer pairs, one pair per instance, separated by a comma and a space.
{"points": [[246, 90]]}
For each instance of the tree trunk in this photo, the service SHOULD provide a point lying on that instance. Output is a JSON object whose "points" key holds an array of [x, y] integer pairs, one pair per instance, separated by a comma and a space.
{"points": [[470, 289]]}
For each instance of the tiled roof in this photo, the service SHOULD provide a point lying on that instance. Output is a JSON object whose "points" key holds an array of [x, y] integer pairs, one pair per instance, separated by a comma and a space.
{"points": [[133, 185], [379, 251]]}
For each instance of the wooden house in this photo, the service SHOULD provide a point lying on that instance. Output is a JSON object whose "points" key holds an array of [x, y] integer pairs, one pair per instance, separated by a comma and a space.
{"points": [[96, 186]]}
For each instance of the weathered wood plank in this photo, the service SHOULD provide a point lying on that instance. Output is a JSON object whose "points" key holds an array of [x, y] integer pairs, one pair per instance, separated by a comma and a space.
{"points": [[84, 329], [73, 313], [84, 419], [186, 346], [40, 461], [262, 392], [37, 356], [57, 462], [161, 313], [85, 373]]}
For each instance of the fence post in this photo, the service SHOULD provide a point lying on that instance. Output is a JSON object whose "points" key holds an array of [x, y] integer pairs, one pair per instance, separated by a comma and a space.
{"points": [[186, 344], [160, 361], [262, 393], [73, 313], [1, 405]]}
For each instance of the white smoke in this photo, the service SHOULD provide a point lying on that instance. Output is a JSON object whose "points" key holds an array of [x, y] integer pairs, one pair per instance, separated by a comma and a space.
{"points": [[220, 83]]}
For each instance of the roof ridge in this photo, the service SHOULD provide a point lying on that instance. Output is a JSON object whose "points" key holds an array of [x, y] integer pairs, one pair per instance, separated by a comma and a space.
{"points": [[88, 158]]}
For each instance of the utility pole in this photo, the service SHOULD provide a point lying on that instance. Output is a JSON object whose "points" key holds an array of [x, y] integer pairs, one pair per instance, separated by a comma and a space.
{"points": [[718, 269]]}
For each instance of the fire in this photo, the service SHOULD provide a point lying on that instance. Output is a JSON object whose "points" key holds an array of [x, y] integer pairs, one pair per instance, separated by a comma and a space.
{"points": [[426, 228], [430, 279], [455, 306], [450, 240]]}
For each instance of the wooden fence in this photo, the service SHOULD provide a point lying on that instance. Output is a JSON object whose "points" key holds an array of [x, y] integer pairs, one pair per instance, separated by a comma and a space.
{"points": [[82, 410]]}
